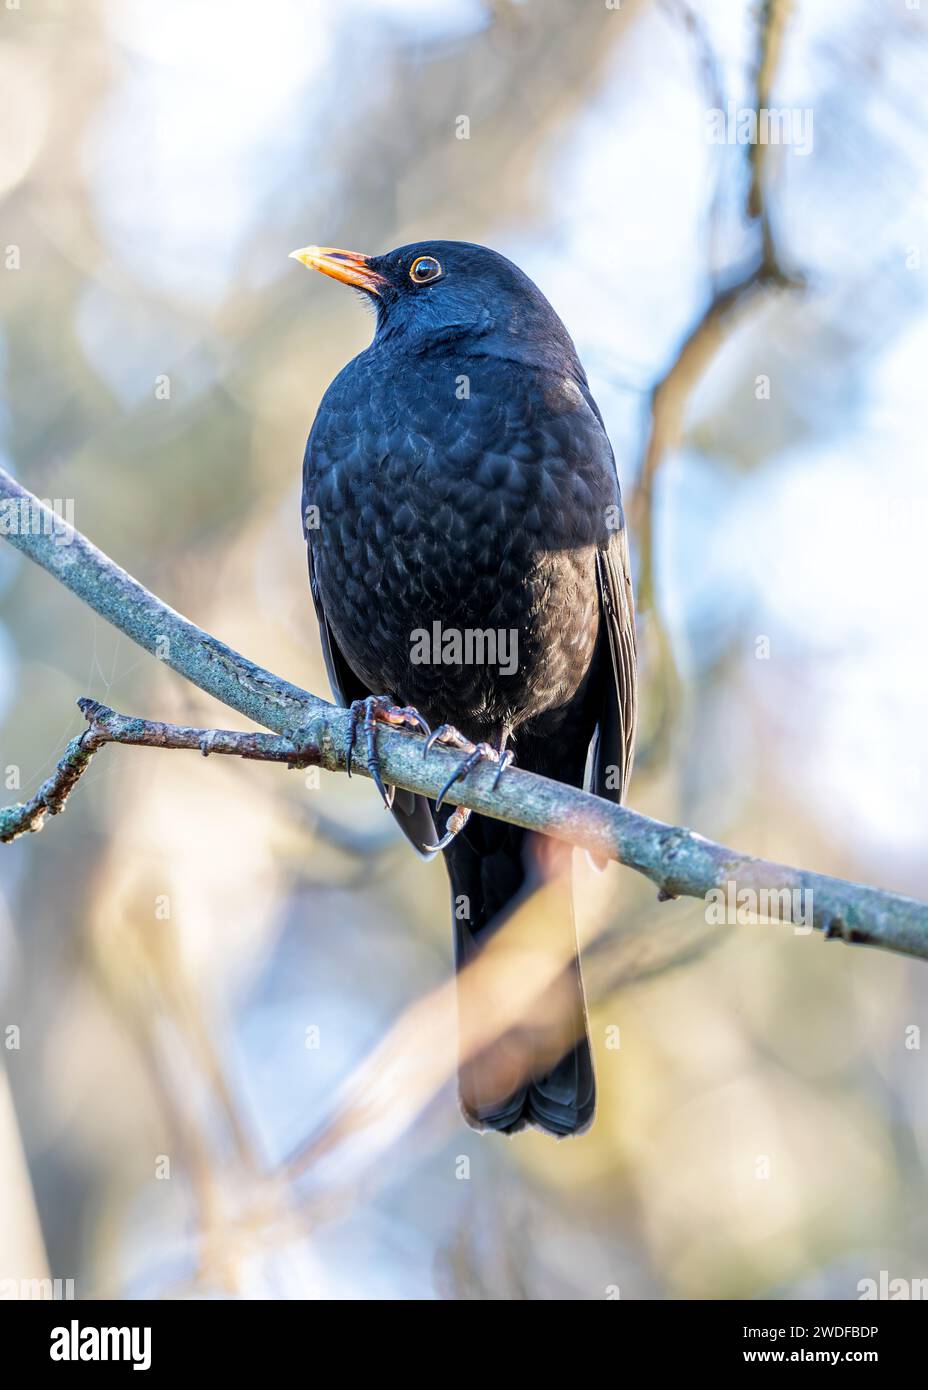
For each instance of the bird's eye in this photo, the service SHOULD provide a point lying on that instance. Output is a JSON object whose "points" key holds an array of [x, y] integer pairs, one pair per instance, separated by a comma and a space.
{"points": [[424, 269]]}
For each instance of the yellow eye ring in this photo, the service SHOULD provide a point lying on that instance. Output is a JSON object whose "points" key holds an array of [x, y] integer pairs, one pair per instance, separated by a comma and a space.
{"points": [[424, 269]]}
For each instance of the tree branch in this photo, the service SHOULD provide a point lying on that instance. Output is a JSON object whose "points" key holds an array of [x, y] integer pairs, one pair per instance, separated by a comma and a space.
{"points": [[106, 726], [679, 861]]}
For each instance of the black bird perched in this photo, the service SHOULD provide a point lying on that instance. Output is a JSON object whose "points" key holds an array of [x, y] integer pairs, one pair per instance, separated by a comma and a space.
{"points": [[458, 481]]}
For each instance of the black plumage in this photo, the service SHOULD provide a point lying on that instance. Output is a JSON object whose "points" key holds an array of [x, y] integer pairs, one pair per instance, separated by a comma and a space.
{"points": [[458, 473]]}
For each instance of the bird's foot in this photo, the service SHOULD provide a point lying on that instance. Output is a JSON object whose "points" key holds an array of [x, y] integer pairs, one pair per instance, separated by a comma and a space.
{"points": [[475, 753], [368, 713]]}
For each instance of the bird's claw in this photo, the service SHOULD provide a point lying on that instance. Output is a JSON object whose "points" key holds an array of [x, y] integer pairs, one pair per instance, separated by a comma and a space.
{"points": [[449, 736], [475, 753], [505, 760], [454, 825], [480, 752], [368, 713]]}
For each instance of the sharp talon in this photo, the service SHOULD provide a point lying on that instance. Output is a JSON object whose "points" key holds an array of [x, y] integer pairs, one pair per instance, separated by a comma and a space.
{"points": [[373, 761], [456, 823], [373, 768], [460, 771], [441, 795], [482, 752], [414, 718], [504, 762], [378, 783], [476, 753], [449, 735], [436, 737]]}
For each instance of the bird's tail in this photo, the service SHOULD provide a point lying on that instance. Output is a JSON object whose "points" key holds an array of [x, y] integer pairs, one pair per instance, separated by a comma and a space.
{"points": [[525, 1052]]}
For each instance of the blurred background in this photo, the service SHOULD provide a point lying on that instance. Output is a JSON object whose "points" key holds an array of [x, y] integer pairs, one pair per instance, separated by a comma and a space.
{"points": [[197, 958]]}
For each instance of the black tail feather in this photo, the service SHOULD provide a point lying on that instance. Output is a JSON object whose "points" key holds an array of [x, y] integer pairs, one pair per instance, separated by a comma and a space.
{"points": [[522, 1077]]}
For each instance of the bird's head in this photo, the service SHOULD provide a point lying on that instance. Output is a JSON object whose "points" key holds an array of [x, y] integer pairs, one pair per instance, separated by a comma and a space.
{"points": [[447, 288]]}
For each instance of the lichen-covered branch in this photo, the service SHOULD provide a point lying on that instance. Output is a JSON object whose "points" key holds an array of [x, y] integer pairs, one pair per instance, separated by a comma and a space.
{"points": [[104, 725], [28, 816]]}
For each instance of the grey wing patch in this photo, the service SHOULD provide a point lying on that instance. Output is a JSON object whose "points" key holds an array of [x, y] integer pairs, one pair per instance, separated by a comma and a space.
{"points": [[614, 742]]}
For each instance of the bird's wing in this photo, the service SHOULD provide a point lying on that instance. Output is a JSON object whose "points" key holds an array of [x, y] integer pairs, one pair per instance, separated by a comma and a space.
{"points": [[412, 813], [613, 748], [344, 683], [614, 742]]}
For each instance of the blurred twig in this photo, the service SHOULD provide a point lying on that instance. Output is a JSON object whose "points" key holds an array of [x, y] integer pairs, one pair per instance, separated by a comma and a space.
{"points": [[772, 26], [670, 395], [680, 862]]}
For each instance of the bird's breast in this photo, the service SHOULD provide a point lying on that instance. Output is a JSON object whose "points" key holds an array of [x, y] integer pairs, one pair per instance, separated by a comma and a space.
{"points": [[459, 514]]}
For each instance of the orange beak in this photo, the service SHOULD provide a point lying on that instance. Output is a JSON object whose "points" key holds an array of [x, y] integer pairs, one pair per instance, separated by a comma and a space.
{"points": [[348, 266]]}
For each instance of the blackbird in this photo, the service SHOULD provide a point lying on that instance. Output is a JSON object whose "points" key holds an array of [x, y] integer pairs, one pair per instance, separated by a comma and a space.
{"points": [[469, 567]]}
